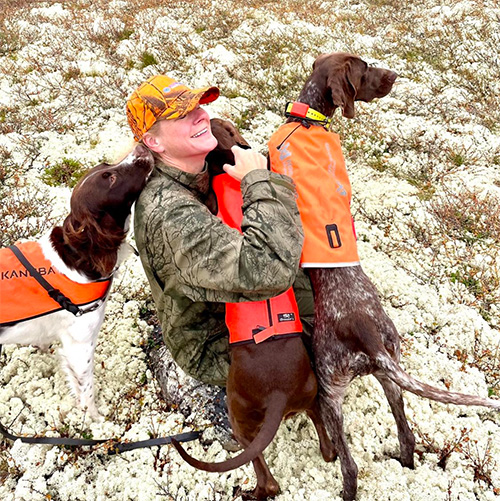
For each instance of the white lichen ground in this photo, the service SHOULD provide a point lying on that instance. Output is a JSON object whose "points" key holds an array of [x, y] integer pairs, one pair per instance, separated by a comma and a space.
{"points": [[65, 72]]}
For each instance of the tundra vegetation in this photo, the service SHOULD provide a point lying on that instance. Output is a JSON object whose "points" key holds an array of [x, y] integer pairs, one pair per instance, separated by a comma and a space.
{"points": [[425, 168]]}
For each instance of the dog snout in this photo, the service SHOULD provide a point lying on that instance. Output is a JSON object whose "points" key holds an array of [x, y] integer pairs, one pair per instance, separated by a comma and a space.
{"points": [[140, 152], [391, 76], [139, 158]]}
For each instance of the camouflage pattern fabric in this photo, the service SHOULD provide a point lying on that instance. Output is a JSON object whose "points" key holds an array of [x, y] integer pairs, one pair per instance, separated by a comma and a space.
{"points": [[195, 263]]}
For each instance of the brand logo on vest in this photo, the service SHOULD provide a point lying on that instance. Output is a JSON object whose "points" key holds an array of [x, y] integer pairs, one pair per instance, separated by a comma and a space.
{"points": [[285, 159], [286, 317], [331, 170], [10, 274]]}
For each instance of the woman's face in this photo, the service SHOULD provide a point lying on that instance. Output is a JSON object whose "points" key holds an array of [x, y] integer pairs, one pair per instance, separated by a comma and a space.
{"points": [[185, 142]]}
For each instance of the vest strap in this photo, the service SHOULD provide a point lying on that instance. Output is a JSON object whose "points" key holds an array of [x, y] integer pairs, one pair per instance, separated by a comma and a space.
{"points": [[270, 333]]}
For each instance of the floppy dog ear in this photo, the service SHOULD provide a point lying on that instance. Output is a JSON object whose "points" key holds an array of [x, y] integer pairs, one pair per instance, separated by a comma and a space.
{"points": [[93, 240], [344, 81]]}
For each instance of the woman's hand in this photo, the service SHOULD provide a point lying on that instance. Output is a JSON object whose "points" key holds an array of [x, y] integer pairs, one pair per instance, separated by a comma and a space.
{"points": [[245, 162]]}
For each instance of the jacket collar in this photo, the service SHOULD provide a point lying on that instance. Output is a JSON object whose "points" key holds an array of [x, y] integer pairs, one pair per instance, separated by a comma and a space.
{"points": [[198, 184]]}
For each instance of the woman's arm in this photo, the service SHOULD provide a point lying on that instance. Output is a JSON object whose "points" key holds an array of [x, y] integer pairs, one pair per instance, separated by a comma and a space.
{"points": [[214, 262]]}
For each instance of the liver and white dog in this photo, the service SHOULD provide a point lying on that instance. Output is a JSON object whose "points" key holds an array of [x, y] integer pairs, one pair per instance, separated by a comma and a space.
{"points": [[75, 263]]}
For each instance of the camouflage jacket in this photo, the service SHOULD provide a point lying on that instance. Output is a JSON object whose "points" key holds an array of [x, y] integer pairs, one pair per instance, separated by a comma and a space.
{"points": [[195, 263]]}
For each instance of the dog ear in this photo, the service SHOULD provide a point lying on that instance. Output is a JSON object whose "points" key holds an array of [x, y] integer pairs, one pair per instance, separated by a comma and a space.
{"points": [[344, 81], [72, 230], [93, 239], [342, 91]]}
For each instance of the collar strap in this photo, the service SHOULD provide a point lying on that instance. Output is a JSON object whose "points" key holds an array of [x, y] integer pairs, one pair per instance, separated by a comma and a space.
{"points": [[304, 111]]}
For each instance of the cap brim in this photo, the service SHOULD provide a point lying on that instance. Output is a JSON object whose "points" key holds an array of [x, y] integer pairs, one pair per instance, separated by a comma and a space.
{"points": [[210, 95]]}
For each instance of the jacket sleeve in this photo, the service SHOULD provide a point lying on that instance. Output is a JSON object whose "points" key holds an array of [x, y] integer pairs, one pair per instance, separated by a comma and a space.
{"points": [[214, 262]]}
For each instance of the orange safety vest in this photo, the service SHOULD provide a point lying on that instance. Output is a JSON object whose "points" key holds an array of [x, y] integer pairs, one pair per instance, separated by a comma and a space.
{"points": [[23, 298], [313, 158], [253, 321]]}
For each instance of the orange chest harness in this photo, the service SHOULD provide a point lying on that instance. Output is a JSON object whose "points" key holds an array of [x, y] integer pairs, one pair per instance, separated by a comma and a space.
{"points": [[253, 321], [313, 158], [31, 287]]}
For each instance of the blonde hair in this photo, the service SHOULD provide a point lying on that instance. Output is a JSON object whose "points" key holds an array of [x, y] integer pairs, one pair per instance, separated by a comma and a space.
{"points": [[153, 129]]}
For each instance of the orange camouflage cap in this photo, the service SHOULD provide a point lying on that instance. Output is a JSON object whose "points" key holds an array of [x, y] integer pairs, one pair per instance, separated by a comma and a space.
{"points": [[162, 97]]}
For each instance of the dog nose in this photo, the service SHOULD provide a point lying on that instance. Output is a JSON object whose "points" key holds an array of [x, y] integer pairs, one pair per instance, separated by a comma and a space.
{"points": [[392, 77], [141, 151]]}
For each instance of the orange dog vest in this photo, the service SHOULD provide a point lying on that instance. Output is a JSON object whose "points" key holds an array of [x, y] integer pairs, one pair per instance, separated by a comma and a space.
{"points": [[23, 298], [313, 158], [256, 320]]}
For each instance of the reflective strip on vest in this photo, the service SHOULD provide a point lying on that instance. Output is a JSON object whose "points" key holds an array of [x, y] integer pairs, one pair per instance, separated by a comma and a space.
{"points": [[23, 298], [313, 158], [253, 320]]}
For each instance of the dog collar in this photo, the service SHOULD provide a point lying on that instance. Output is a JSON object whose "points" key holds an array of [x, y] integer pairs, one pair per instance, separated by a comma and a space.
{"points": [[304, 111]]}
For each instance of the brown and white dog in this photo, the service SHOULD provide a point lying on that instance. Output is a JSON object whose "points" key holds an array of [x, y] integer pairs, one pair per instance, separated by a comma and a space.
{"points": [[85, 251]]}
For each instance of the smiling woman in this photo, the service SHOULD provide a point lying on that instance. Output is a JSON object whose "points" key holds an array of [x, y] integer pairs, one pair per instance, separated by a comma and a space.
{"points": [[195, 263], [183, 142]]}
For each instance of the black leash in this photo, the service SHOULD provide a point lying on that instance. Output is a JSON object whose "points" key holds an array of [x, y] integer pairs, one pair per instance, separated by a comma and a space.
{"points": [[112, 446]]}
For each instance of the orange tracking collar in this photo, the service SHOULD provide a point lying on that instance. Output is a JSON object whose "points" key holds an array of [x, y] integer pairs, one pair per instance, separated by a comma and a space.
{"points": [[253, 321], [313, 158], [23, 297]]}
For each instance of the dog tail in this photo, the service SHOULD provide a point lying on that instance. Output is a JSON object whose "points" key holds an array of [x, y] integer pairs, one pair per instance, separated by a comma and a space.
{"points": [[407, 382], [367, 339], [271, 423]]}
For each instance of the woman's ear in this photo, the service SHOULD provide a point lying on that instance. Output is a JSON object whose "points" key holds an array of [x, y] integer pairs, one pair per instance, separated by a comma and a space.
{"points": [[151, 141]]}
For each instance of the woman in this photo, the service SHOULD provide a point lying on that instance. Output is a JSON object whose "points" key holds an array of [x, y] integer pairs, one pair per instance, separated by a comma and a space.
{"points": [[194, 262]]}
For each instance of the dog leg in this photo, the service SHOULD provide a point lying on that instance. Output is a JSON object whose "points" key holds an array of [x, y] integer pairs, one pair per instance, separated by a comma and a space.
{"points": [[331, 410], [325, 443], [78, 363], [267, 486], [405, 435]]}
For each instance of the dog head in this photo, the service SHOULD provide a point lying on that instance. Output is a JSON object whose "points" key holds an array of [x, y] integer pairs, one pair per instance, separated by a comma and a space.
{"points": [[108, 191], [345, 78], [101, 203], [227, 136]]}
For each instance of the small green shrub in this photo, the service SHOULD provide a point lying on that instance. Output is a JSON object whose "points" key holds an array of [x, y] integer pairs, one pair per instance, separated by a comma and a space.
{"points": [[147, 59], [124, 34], [67, 172]]}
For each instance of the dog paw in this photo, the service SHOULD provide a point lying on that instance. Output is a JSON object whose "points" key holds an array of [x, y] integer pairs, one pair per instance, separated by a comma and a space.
{"points": [[257, 494], [94, 414]]}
